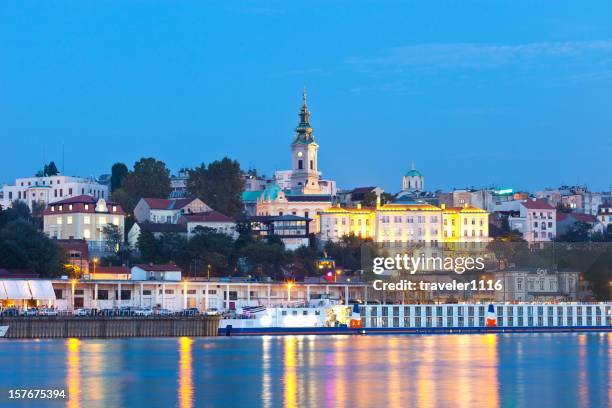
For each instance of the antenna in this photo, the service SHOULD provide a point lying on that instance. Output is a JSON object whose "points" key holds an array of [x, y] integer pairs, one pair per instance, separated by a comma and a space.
{"points": [[63, 162]]}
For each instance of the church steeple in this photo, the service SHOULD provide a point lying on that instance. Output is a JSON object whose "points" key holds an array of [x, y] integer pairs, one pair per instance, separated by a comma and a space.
{"points": [[303, 130]]}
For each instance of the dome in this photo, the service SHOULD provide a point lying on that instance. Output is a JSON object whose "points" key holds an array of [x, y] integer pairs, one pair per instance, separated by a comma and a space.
{"points": [[271, 192], [413, 173]]}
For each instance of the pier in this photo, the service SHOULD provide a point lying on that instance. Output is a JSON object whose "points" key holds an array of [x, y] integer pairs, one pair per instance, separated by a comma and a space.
{"points": [[47, 327]]}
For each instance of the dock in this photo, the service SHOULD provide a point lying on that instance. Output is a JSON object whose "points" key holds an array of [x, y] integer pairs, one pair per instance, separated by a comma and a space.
{"points": [[49, 327]]}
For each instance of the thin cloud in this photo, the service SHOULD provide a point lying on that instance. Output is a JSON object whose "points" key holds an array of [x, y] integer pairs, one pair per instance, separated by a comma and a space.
{"points": [[480, 56]]}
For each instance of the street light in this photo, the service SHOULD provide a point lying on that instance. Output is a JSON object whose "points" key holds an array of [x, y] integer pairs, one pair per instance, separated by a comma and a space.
{"points": [[289, 286], [338, 272], [208, 271], [95, 261]]}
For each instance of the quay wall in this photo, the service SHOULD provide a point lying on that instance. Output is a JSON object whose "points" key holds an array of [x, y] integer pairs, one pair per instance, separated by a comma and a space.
{"points": [[45, 327]]}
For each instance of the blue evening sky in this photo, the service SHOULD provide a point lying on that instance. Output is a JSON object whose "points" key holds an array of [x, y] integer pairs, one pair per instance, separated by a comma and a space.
{"points": [[515, 94]]}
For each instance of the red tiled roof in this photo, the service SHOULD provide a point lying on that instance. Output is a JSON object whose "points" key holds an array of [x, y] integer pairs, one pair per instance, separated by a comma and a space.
{"points": [[159, 268], [168, 204], [78, 206], [208, 216], [537, 205], [578, 217]]}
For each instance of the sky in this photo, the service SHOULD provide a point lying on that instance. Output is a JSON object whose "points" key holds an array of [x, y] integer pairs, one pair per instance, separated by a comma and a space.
{"points": [[514, 94]]}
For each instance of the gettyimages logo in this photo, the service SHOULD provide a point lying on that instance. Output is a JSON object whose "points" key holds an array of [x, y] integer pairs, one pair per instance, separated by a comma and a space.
{"points": [[412, 264]]}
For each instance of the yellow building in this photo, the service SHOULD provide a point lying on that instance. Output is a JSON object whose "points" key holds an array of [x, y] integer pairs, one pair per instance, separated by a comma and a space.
{"points": [[336, 222], [406, 222]]}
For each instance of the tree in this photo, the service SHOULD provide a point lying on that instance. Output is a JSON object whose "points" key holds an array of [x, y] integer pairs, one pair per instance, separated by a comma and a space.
{"points": [[219, 184], [112, 236], [23, 247], [148, 246], [369, 199], [577, 232], [150, 178], [266, 259], [126, 200], [18, 211], [51, 169], [118, 173]]}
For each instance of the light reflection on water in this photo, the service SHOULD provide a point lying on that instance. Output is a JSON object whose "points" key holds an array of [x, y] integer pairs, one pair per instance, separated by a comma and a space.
{"points": [[296, 371]]}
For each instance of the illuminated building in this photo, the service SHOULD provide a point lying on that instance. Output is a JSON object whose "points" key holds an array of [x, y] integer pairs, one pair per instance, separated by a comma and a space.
{"points": [[406, 222]]}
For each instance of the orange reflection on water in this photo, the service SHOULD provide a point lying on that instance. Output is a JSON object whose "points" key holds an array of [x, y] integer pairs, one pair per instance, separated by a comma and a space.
{"points": [[266, 394], [73, 379], [185, 380], [290, 376], [583, 381]]}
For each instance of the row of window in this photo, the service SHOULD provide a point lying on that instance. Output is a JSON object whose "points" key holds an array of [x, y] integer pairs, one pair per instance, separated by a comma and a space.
{"points": [[473, 311], [480, 322]]}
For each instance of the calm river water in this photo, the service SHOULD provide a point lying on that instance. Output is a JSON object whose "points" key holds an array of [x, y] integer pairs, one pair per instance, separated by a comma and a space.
{"points": [[511, 370]]}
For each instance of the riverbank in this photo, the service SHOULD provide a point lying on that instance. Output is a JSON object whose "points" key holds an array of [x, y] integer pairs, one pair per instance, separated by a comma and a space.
{"points": [[45, 327]]}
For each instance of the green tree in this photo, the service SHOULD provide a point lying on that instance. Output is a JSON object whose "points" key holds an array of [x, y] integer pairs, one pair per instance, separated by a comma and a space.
{"points": [[219, 184], [51, 169], [112, 237], [126, 200], [148, 246], [118, 173], [263, 259], [24, 247], [369, 199], [577, 232], [149, 179], [18, 211]]}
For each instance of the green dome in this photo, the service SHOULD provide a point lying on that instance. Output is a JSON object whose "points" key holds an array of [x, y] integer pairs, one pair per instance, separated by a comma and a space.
{"points": [[413, 173], [271, 192]]}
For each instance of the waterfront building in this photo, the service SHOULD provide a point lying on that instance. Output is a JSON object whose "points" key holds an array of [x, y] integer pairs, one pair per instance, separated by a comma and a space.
{"points": [[531, 285], [40, 191], [83, 217], [161, 210], [220, 294], [537, 221], [408, 222]]}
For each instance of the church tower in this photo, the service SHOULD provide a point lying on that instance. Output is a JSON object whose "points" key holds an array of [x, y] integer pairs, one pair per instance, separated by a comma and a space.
{"points": [[304, 161], [413, 181]]}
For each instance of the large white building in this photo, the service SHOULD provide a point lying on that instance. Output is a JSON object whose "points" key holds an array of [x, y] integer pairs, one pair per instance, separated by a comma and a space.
{"points": [[50, 189], [537, 221], [162, 210]]}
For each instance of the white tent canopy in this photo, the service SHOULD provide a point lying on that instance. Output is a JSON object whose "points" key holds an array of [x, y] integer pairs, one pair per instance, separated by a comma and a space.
{"points": [[41, 290], [26, 289], [3, 295], [17, 289]]}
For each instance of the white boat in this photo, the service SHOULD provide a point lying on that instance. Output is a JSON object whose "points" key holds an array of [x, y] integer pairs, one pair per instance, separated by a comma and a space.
{"points": [[419, 318], [3, 330]]}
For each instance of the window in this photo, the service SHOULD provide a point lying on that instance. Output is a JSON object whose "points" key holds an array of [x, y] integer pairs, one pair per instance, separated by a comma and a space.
{"points": [[59, 221], [116, 221], [101, 220], [87, 220], [102, 294], [300, 165], [312, 165], [125, 295], [87, 206], [86, 234], [146, 292], [69, 219], [114, 208], [59, 293]]}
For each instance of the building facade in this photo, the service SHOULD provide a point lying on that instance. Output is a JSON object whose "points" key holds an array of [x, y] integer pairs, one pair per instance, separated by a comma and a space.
{"points": [[407, 223], [45, 190], [160, 210], [537, 221], [83, 217]]}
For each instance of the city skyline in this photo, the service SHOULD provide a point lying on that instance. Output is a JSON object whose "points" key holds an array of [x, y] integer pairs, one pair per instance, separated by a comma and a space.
{"points": [[524, 107]]}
